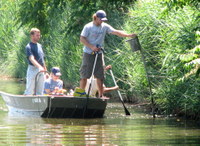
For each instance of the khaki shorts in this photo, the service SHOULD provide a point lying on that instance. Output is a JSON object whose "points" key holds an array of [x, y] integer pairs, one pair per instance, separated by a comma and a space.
{"points": [[87, 66]]}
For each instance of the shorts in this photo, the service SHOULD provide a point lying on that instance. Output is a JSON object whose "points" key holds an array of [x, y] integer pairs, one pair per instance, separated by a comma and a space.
{"points": [[87, 66]]}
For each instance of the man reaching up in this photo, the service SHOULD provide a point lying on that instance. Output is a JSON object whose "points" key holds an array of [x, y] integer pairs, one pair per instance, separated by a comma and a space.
{"points": [[92, 36]]}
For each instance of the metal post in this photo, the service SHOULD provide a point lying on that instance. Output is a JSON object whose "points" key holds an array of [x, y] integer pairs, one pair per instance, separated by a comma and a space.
{"points": [[150, 86], [135, 45]]}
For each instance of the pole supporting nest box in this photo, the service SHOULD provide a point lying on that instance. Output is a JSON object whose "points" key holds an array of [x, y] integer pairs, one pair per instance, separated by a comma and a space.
{"points": [[135, 44]]}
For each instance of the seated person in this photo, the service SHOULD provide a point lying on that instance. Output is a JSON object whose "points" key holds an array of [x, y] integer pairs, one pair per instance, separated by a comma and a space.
{"points": [[53, 84], [94, 87]]}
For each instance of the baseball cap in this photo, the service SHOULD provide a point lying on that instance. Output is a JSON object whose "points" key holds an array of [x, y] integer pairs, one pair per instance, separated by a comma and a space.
{"points": [[102, 15], [56, 71]]}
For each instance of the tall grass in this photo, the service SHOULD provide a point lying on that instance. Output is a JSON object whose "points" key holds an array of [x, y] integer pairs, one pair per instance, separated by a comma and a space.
{"points": [[168, 40], [61, 31], [9, 37], [165, 38]]}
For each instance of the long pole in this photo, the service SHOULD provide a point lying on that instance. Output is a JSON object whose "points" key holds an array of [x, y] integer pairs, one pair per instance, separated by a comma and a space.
{"points": [[120, 96], [90, 85], [150, 86], [135, 45], [92, 78]]}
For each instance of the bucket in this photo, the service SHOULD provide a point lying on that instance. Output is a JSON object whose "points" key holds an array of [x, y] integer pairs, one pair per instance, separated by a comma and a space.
{"points": [[134, 43]]}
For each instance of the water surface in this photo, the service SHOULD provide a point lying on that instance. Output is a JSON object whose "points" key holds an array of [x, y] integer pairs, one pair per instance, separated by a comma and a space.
{"points": [[114, 129]]}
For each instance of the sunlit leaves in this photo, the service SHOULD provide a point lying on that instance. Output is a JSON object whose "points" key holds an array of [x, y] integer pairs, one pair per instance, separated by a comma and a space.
{"points": [[177, 4], [167, 41], [170, 43]]}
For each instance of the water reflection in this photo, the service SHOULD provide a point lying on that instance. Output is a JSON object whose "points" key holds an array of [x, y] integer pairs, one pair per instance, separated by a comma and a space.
{"points": [[114, 129], [107, 131]]}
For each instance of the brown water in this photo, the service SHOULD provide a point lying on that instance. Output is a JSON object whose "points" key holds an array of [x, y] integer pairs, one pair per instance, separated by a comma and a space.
{"points": [[114, 129]]}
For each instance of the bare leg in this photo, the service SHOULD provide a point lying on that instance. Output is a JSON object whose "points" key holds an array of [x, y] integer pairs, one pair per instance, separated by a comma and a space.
{"points": [[83, 83], [108, 89], [100, 87]]}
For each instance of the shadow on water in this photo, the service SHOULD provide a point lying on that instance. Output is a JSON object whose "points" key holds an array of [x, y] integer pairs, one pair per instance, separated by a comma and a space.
{"points": [[114, 129]]}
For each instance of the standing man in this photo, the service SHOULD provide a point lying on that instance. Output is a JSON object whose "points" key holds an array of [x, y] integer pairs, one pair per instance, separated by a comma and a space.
{"points": [[92, 36], [36, 64]]}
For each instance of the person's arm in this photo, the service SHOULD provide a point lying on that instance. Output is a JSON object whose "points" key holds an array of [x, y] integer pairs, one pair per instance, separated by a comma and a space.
{"points": [[86, 43], [35, 63], [45, 67], [108, 67], [121, 33], [47, 87], [48, 91], [45, 70], [60, 84]]}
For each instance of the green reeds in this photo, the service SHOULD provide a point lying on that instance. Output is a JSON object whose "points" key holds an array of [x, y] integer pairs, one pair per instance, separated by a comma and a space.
{"points": [[167, 39]]}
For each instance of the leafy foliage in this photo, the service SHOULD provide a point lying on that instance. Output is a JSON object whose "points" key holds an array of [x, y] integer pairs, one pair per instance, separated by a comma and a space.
{"points": [[167, 41], [170, 44], [177, 4], [61, 23]]}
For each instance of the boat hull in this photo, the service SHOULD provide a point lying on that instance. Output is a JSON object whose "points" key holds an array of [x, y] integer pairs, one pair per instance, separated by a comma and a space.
{"points": [[55, 106]]}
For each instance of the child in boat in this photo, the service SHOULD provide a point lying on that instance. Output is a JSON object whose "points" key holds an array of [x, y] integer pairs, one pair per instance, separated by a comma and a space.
{"points": [[53, 84]]}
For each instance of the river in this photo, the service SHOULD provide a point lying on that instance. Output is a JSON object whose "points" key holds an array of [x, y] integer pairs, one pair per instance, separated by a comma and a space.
{"points": [[114, 129]]}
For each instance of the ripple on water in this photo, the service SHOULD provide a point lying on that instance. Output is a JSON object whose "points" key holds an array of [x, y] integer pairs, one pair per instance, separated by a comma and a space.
{"points": [[114, 129]]}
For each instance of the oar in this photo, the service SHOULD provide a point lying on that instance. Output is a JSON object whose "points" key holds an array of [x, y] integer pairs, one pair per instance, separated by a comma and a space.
{"points": [[120, 96]]}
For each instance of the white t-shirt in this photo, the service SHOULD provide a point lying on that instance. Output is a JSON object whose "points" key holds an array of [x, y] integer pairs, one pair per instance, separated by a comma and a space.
{"points": [[51, 84], [95, 34]]}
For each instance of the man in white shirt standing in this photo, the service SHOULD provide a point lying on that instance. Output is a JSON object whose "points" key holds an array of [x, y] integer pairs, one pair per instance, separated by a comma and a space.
{"points": [[92, 36]]}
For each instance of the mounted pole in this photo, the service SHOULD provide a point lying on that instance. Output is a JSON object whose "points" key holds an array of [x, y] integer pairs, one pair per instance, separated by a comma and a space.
{"points": [[135, 45]]}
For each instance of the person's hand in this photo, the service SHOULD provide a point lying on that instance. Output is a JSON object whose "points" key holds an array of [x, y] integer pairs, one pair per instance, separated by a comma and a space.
{"points": [[47, 75], [95, 49], [133, 35], [45, 69], [56, 88], [108, 67], [41, 69]]}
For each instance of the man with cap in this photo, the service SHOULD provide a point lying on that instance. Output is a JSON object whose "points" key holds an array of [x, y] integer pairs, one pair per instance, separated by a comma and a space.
{"points": [[92, 37], [36, 64], [54, 83]]}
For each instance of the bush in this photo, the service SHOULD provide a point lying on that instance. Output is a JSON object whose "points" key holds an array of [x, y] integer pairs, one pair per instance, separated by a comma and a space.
{"points": [[168, 32], [165, 38]]}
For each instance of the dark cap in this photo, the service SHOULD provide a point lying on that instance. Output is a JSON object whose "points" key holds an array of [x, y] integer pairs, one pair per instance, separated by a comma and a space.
{"points": [[56, 71], [102, 15]]}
